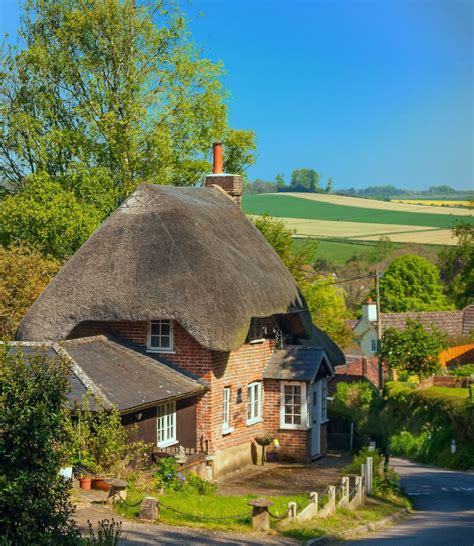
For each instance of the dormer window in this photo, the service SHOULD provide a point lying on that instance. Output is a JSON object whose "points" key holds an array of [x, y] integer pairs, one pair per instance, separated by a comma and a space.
{"points": [[160, 336]]}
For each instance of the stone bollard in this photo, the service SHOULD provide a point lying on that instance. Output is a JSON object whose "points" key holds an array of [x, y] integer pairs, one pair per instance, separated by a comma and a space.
{"points": [[149, 509], [118, 491], [332, 498], [292, 509], [358, 484], [260, 514], [370, 470]]}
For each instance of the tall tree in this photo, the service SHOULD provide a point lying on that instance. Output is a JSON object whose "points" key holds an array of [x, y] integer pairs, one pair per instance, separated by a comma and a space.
{"points": [[457, 267], [329, 185], [111, 90], [411, 283], [280, 182], [305, 180]]}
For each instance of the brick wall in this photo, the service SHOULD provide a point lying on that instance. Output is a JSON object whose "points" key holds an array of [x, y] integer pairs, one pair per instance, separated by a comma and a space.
{"points": [[294, 444]]}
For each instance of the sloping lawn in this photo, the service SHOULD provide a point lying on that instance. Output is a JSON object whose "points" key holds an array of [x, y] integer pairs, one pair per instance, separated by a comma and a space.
{"points": [[454, 394]]}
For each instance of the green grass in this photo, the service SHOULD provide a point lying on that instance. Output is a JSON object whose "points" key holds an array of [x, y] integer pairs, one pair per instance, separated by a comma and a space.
{"points": [[343, 520], [286, 206], [211, 506], [447, 393]]}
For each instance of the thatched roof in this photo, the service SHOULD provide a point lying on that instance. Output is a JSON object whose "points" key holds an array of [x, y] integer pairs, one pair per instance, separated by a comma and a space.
{"points": [[188, 254]]}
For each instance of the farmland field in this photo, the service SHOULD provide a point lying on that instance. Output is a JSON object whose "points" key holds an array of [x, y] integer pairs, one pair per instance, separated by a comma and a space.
{"points": [[399, 206], [332, 216], [434, 202]]}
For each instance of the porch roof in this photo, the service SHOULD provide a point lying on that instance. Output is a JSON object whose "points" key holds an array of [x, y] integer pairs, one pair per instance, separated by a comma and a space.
{"points": [[298, 363]]}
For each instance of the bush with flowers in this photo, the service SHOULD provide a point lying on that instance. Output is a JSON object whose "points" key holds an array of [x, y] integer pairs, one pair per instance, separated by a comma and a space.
{"points": [[169, 479]]}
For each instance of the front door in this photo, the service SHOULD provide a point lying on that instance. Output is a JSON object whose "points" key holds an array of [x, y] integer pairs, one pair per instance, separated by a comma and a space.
{"points": [[315, 416]]}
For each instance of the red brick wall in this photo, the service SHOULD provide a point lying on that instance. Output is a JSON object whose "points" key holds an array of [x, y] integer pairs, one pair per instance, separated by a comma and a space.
{"points": [[294, 444], [134, 331]]}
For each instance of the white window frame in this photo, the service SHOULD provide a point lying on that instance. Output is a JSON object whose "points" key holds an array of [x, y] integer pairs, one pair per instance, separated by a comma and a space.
{"points": [[304, 406], [324, 399], [166, 424], [226, 428], [254, 394], [159, 348], [372, 343]]}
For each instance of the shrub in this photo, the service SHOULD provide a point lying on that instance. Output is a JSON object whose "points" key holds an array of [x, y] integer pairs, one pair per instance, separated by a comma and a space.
{"points": [[99, 442], [167, 476], [203, 487], [108, 533], [34, 499], [463, 371]]}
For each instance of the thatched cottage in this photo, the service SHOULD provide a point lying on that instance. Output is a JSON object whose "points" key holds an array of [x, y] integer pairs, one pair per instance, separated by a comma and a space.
{"points": [[179, 312]]}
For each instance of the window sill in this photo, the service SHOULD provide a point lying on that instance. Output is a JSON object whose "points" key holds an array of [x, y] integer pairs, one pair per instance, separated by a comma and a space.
{"points": [[294, 427], [227, 430], [169, 443], [251, 422], [167, 351]]}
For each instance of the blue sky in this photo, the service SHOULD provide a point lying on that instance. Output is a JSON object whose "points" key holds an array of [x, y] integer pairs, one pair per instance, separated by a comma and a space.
{"points": [[369, 92]]}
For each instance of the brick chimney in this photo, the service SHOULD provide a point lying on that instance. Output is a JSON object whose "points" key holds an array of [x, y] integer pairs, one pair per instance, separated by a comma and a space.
{"points": [[231, 183]]}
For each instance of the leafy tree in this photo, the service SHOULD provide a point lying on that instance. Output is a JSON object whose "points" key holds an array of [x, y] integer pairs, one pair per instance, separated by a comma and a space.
{"points": [[457, 267], [305, 180], [280, 182], [414, 349], [411, 283], [327, 305], [329, 185], [296, 258], [101, 89], [24, 274], [34, 499], [352, 402], [56, 217]]}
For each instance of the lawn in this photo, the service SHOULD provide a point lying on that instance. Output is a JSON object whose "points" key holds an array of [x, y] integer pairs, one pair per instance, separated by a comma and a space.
{"points": [[199, 507], [285, 206], [447, 393]]}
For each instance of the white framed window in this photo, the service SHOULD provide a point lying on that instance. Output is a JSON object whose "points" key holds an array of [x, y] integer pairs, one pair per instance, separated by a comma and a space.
{"points": [[324, 399], [160, 336], [166, 425], [373, 346], [293, 406], [226, 428], [254, 403]]}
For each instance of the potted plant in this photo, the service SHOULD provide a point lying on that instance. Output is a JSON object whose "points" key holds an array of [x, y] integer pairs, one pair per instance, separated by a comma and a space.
{"points": [[85, 482]]}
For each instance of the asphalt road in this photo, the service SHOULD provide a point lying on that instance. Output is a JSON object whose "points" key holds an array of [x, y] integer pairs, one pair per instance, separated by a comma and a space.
{"points": [[444, 509]]}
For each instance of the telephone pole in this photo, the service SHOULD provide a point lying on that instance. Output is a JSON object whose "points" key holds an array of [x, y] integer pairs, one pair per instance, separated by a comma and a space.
{"points": [[377, 276]]}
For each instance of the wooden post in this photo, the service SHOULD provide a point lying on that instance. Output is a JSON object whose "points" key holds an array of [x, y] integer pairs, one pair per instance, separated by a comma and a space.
{"points": [[260, 514], [149, 509], [292, 509]]}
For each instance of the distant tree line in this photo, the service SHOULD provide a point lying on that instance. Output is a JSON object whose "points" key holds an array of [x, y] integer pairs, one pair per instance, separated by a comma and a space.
{"points": [[302, 180]]}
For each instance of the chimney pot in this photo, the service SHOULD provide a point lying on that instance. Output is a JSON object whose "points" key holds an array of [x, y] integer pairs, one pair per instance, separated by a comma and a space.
{"points": [[218, 163]]}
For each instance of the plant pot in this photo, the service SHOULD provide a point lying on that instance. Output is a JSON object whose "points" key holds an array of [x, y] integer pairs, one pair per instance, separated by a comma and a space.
{"points": [[99, 483], [86, 483]]}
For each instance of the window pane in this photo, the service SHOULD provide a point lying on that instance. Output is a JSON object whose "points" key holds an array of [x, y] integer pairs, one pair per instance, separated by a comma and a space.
{"points": [[165, 341], [297, 419], [165, 329], [288, 420], [155, 329]]}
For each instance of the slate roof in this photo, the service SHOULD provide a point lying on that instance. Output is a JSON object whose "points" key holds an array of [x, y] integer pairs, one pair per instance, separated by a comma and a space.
{"points": [[121, 376], [182, 253], [454, 323], [297, 363]]}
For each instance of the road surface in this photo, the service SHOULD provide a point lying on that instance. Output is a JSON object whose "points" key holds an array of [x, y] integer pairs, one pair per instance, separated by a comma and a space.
{"points": [[444, 509]]}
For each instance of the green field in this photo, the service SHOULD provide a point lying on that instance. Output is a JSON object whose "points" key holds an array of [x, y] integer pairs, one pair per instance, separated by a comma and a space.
{"points": [[339, 251], [295, 207]]}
